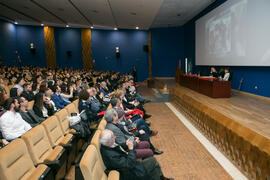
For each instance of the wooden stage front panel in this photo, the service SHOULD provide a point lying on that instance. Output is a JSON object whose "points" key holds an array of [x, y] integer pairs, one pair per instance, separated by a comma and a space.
{"points": [[238, 126]]}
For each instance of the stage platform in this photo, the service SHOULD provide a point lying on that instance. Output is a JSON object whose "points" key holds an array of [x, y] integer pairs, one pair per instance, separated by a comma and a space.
{"points": [[238, 126], [249, 111]]}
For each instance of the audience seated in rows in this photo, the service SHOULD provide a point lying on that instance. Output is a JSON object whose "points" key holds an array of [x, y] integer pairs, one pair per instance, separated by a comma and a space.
{"points": [[122, 157]]}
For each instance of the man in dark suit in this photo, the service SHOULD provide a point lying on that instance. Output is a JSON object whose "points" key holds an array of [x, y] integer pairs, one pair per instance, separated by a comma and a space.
{"points": [[123, 159], [142, 148], [28, 115], [27, 92], [57, 99]]}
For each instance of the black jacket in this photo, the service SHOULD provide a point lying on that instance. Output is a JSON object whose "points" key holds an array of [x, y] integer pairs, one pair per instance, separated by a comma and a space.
{"points": [[39, 112], [28, 95], [31, 117], [126, 164]]}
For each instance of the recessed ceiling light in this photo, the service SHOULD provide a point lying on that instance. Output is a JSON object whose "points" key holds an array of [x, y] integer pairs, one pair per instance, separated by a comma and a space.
{"points": [[115, 29], [67, 25], [92, 27], [137, 27], [15, 22], [42, 24]]}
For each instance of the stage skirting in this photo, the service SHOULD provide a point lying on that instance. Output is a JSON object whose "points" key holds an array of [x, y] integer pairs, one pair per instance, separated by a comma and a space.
{"points": [[248, 150]]}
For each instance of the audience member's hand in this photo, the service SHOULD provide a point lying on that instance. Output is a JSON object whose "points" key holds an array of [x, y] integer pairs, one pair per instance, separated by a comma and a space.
{"points": [[47, 101], [136, 103], [141, 131], [130, 144], [137, 140], [101, 95], [5, 142]]}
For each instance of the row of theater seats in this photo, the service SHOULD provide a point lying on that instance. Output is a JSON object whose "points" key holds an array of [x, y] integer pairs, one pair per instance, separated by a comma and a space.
{"points": [[91, 164], [44, 152]]}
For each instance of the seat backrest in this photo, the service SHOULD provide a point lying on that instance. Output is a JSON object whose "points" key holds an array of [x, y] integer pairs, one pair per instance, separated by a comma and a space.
{"points": [[102, 124], [96, 143], [53, 130], [76, 104], [62, 116], [90, 165], [7, 90], [31, 104], [70, 108], [38, 144], [15, 162]]}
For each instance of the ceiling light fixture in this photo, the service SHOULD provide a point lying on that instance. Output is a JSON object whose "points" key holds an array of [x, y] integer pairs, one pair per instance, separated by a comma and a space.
{"points": [[42, 24], [67, 25], [92, 27], [15, 22], [115, 29], [137, 27]]}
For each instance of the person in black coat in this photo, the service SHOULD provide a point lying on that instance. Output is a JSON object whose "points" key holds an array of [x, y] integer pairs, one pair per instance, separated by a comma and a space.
{"points": [[123, 159], [27, 92], [42, 106], [28, 114]]}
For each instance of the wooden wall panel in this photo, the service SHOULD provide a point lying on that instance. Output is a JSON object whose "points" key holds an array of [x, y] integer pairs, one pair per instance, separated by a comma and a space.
{"points": [[86, 49], [50, 47]]}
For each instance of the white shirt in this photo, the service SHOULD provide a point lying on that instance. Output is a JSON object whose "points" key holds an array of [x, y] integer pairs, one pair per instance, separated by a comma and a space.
{"points": [[19, 87], [226, 77], [12, 125]]}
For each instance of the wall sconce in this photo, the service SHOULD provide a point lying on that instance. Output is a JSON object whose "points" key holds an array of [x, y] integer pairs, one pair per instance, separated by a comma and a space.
{"points": [[117, 51]]}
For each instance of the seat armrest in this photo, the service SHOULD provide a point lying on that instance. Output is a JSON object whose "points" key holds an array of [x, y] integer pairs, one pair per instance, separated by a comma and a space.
{"points": [[52, 164], [114, 175]]}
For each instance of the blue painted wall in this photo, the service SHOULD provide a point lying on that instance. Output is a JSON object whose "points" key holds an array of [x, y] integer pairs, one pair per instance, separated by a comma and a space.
{"points": [[68, 39], [167, 50], [31, 34], [8, 43], [130, 43], [252, 76]]}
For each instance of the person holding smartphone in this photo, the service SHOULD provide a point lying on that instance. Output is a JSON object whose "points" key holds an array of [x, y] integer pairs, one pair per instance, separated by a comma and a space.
{"points": [[123, 159]]}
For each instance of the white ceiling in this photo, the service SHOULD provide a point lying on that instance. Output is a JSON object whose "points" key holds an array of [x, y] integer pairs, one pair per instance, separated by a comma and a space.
{"points": [[126, 14]]}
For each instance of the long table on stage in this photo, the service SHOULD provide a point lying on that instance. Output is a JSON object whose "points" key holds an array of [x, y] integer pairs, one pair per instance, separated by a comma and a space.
{"points": [[208, 86]]}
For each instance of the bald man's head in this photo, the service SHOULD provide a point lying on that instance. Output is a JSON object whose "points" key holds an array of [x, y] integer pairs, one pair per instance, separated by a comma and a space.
{"points": [[107, 137]]}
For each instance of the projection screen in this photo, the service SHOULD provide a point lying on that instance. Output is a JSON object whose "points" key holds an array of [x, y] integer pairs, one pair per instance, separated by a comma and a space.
{"points": [[237, 33]]}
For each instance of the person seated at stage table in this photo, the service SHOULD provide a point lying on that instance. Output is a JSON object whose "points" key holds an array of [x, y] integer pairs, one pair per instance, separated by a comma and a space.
{"points": [[227, 74], [213, 72], [123, 159]]}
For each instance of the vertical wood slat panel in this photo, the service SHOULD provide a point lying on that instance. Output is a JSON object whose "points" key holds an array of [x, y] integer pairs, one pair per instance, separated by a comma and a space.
{"points": [[50, 47], [150, 55], [86, 48]]}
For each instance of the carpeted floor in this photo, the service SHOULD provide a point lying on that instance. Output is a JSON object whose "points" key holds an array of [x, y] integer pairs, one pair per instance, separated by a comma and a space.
{"points": [[184, 157]]}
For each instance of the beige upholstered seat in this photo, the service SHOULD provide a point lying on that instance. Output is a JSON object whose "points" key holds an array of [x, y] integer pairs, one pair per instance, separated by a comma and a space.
{"points": [[102, 124], [55, 133], [39, 146], [76, 104], [96, 143], [31, 104], [7, 90], [91, 167], [71, 108], [62, 117], [15, 163]]}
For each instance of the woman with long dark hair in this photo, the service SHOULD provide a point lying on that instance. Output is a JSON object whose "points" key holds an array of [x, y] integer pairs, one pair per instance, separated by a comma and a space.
{"points": [[42, 106]]}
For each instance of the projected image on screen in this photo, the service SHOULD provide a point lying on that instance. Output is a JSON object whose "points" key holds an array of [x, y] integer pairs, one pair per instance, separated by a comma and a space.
{"points": [[237, 33], [218, 31]]}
